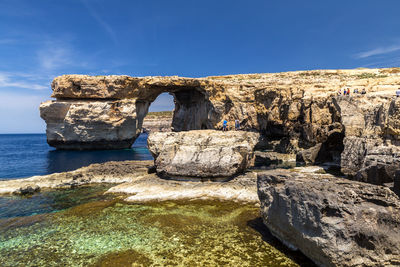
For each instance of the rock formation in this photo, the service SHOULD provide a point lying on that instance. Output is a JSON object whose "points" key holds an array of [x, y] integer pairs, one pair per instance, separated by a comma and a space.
{"points": [[109, 172], [157, 122], [294, 111], [333, 221], [202, 153]]}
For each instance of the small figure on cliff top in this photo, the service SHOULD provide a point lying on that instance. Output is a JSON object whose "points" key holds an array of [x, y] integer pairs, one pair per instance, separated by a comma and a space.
{"points": [[363, 92], [355, 91], [345, 91], [224, 125], [339, 92], [237, 125], [398, 92]]}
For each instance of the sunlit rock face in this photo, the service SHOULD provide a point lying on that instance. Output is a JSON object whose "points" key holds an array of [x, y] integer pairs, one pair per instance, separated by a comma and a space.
{"points": [[90, 124], [293, 111], [333, 221], [202, 153]]}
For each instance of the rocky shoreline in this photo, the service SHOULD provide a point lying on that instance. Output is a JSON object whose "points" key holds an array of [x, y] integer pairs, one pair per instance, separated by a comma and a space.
{"points": [[350, 219], [135, 181]]}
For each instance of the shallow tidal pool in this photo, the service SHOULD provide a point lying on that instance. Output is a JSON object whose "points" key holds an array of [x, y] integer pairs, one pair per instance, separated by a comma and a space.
{"points": [[105, 231]]}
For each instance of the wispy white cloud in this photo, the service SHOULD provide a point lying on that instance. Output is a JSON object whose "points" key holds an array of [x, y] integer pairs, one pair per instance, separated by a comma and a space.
{"points": [[53, 55], [106, 27], [17, 80], [378, 51], [388, 62]]}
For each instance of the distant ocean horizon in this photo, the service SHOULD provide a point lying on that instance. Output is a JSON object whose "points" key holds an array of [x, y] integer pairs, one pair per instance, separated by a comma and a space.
{"points": [[25, 155]]}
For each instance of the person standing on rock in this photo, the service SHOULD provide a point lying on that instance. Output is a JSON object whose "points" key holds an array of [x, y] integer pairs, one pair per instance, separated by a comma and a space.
{"points": [[224, 125], [237, 125], [398, 92]]}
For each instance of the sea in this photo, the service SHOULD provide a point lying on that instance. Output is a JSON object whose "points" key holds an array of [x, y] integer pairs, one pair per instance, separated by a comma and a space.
{"points": [[85, 227], [25, 155]]}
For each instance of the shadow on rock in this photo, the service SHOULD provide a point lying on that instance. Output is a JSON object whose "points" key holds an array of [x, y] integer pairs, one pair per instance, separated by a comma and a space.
{"points": [[298, 257]]}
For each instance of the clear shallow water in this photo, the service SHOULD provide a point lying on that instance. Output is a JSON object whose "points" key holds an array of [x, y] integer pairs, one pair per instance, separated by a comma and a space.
{"points": [[24, 155], [50, 201], [109, 232], [84, 227]]}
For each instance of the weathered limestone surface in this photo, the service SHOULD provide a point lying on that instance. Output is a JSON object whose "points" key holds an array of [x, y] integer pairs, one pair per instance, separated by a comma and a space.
{"points": [[90, 125], [371, 146], [293, 111], [243, 188], [135, 182], [202, 153], [270, 157], [333, 221], [157, 123], [109, 172]]}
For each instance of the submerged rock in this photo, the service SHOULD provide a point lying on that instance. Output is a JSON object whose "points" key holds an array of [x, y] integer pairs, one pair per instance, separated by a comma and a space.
{"points": [[333, 221], [27, 190], [203, 153]]}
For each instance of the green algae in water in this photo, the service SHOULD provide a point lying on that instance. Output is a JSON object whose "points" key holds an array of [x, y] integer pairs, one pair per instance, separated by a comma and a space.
{"points": [[114, 233], [51, 200]]}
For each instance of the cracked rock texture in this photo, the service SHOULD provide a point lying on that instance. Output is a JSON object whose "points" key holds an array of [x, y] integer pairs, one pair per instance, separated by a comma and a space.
{"points": [[333, 221], [294, 111], [109, 172], [202, 153]]}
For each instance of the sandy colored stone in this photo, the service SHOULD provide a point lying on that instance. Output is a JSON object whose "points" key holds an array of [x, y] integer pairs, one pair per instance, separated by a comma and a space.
{"points": [[294, 111], [202, 153], [109, 172], [150, 187]]}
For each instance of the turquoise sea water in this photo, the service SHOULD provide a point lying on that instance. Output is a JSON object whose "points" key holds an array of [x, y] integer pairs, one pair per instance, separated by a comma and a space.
{"points": [[24, 155], [85, 227]]}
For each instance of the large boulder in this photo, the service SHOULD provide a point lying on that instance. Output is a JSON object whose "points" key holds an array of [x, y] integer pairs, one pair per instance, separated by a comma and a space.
{"points": [[333, 221], [78, 125], [202, 153]]}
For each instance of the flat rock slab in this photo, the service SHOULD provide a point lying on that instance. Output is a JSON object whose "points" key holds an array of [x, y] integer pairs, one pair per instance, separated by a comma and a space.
{"points": [[109, 172], [150, 187], [333, 221], [202, 153]]}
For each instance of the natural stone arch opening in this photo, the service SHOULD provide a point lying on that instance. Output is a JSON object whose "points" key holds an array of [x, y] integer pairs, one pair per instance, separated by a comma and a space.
{"points": [[193, 110], [107, 112]]}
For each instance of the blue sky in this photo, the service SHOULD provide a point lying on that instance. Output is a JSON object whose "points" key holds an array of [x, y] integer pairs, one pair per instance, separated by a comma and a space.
{"points": [[42, 39]]}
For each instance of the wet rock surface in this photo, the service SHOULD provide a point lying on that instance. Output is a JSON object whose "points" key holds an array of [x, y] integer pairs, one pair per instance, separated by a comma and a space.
{"points": [[202, 153], [333, 221]]}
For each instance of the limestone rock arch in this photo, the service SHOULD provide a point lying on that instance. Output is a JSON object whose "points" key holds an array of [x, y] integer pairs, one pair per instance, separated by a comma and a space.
{"points": [[107, 112]]}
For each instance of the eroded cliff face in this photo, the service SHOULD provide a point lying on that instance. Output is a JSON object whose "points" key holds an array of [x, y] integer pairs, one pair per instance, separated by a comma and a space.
{"points": [[294, 111], [334, 221]]}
